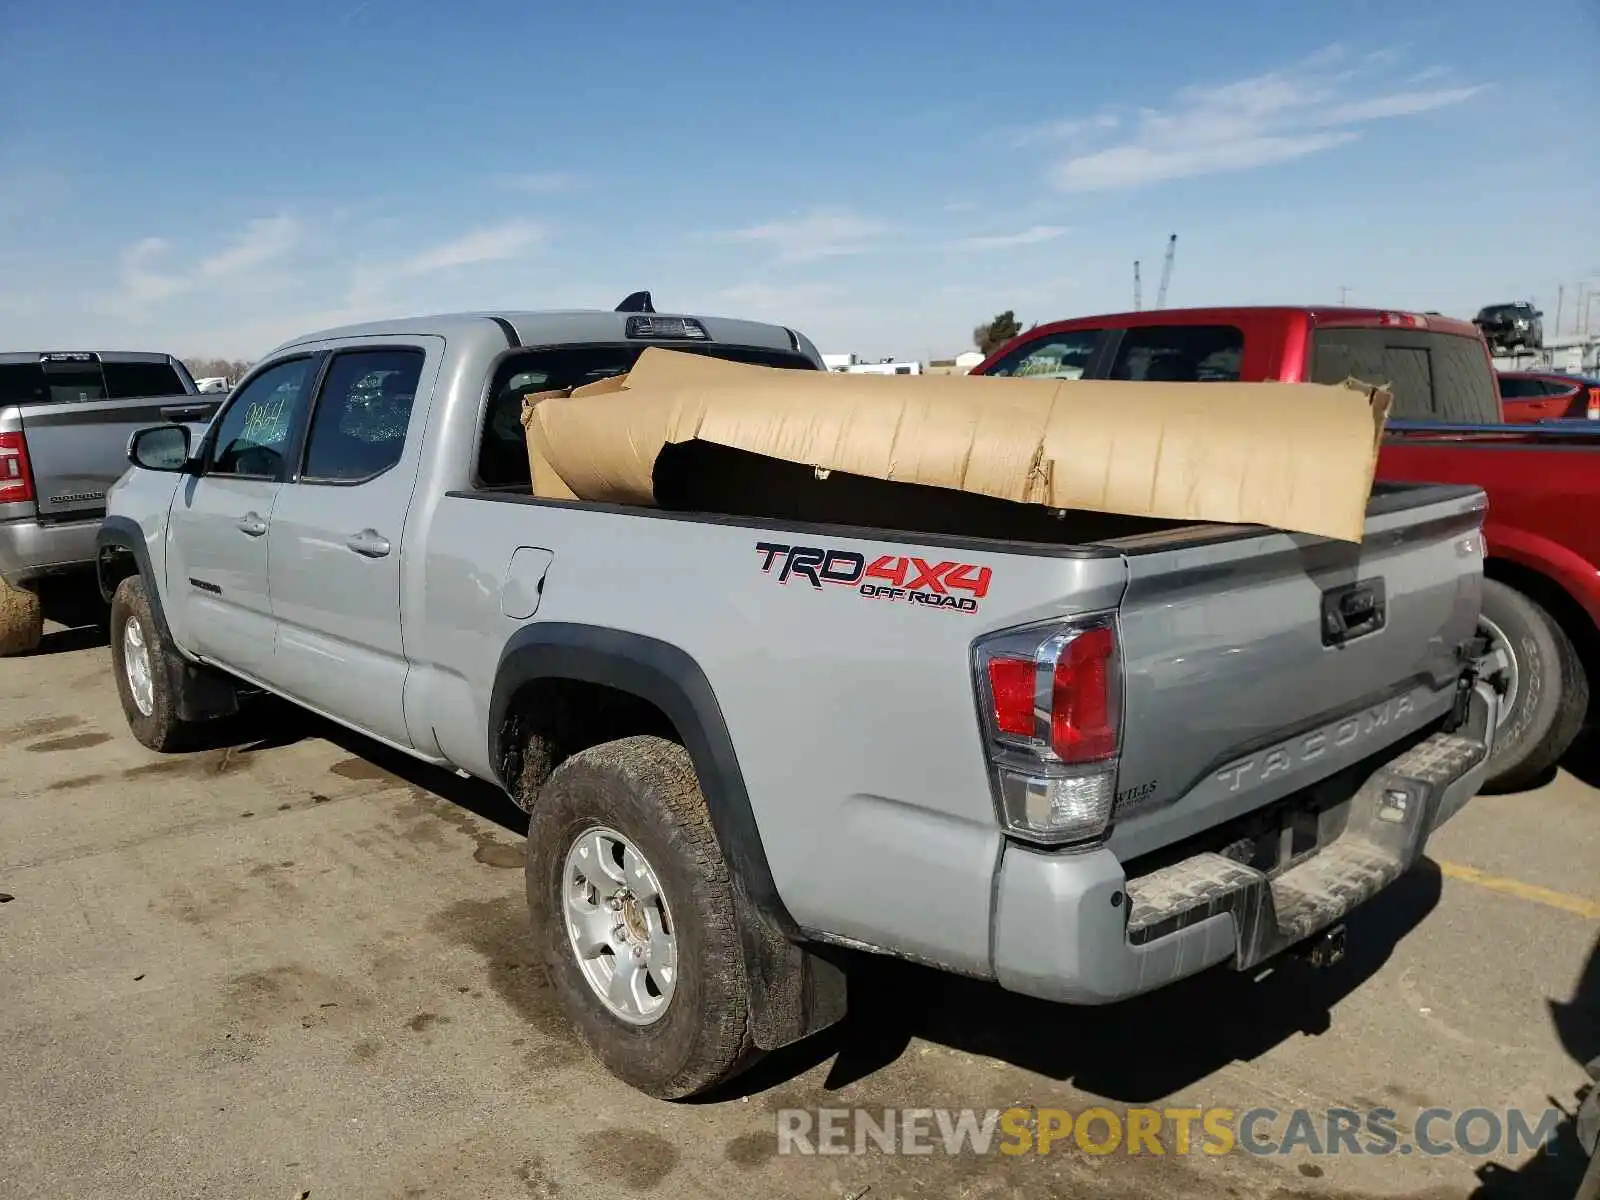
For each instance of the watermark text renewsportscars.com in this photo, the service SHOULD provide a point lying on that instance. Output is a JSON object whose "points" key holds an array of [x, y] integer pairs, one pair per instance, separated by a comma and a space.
{"points": [[1100, 1130]]}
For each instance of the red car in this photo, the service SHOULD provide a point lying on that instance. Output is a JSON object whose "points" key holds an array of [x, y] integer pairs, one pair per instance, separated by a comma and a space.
{"points": [[1541, 598], [1548, 396]]}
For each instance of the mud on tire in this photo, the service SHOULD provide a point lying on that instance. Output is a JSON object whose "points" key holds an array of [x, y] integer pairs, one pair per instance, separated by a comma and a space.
{"points": [[645, 789], [1552, 689], [21, 620], [160, 728]]}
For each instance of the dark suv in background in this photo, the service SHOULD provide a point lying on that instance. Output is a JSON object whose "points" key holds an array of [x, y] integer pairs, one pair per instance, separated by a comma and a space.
{"points": [[1511, 326]]}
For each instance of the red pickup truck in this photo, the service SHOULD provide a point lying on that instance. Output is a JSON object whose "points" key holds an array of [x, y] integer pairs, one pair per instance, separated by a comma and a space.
{"points": [[1541, 601]]}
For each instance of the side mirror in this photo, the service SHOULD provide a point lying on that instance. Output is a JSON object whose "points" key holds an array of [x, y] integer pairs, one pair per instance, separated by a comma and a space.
{"points": [[1538, 314], [160, 448]]}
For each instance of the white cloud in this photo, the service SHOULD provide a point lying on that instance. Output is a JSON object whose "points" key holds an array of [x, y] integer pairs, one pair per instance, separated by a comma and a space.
{"points": [[149, 276], [263, 240], [1069, 129], [1031, 236], [544, 183], [1396, 104], [1275, 117], [766, 301], [494, 243], [821, 233]]}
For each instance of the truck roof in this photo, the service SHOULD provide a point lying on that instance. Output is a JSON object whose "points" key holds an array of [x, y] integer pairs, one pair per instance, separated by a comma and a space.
{"points": [[558, 326], [127, 356], [1331, 314]]}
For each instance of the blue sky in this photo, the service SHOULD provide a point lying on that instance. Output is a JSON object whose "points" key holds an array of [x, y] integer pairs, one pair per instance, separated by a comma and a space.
{"points": [[213, 178]]}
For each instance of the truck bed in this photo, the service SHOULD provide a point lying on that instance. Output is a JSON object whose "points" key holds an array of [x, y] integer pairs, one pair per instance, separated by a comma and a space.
{"points": [[1224, 666]]}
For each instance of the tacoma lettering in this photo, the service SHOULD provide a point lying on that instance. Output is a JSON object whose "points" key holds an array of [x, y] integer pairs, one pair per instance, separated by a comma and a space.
{"points": [[1291, 756]]}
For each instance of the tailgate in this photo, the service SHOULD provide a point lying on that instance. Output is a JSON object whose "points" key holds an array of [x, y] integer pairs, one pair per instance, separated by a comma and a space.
{"points": [[1256, 665], [78, 450]]}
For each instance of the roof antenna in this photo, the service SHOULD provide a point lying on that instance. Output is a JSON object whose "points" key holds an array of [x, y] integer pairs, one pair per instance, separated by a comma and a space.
{"points": [[638, 302]]}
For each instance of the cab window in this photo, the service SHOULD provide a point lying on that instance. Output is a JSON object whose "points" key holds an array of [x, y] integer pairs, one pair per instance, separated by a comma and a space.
{"points": [[253, 433], [1180, 354], [1065, 355], [359, 428]]}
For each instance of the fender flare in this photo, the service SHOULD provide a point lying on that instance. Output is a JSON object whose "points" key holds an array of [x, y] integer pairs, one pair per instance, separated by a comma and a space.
{"points": [[671, 680], [123, 533], [202, 695], [794, 992]]}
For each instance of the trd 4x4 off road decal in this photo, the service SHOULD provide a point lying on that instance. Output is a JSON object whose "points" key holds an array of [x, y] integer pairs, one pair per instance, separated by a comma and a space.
{"points": [[953, 585]]}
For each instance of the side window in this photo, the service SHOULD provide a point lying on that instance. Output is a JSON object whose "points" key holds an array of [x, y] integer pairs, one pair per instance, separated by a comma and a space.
{"points": [[358, 430], [1054, 356], [1517, 389], [252, 437], [1180, 354]]}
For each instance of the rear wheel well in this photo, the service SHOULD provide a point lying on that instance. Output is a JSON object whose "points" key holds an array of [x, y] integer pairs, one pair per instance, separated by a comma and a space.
{"points": [[550, 720], [1549, 595]]}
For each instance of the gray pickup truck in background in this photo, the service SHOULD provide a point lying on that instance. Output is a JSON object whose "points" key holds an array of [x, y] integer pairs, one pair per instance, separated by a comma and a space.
{"points": [[1082, 767], [65, 420]]}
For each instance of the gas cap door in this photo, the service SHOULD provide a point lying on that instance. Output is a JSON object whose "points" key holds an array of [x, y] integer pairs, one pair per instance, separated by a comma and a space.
{"points": [[523, 586]]}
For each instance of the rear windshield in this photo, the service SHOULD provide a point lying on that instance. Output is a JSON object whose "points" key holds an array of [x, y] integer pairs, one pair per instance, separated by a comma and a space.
{"points": [[68, 382], [503, 451], [1434, 376]]}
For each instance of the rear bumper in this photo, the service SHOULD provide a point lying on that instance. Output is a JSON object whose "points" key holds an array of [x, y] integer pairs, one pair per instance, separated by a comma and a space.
{"points": [[1070, 927], [30, 548]]}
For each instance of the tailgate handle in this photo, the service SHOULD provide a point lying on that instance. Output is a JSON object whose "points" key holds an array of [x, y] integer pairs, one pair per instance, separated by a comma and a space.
{"points": [[1353, 611]]}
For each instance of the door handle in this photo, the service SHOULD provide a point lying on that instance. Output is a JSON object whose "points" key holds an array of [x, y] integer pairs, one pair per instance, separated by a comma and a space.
{"points": [[188, 412], [369, 543], [252, 524]]}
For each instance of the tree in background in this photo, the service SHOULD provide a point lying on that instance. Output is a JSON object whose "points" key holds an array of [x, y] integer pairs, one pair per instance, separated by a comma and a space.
{"points": [[211, 368], [989, 338]]}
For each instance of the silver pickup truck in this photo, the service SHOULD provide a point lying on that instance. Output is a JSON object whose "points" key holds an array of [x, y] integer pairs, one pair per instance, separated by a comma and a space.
{"points": [[1083, 770], [65, 420]]}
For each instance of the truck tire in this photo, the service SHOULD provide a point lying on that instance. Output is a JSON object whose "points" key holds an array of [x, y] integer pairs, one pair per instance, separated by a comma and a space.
{"points": [[21, 620], [1546, 688], [661, 994], [138, 659]]}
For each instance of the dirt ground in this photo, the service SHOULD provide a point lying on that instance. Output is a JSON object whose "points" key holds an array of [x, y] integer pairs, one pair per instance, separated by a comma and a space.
{"points": [[297, 967]]}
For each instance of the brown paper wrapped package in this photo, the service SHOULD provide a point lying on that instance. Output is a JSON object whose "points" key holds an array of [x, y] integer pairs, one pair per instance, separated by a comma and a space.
{"points": [[1293, 456]]}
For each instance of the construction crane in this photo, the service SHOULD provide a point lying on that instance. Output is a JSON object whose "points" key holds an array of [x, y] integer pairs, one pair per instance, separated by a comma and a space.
{"points": [[1138, 301], [1166, 271]]}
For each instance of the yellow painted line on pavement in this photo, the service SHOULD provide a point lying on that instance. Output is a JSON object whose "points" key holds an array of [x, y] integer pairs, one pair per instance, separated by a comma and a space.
{"points": [[1549, 897]]}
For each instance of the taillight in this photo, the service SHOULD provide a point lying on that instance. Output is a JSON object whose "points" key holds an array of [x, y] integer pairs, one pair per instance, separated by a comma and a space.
{"points": [[1593, 412], [1051, 699], [1082, 727], [16, 481]]}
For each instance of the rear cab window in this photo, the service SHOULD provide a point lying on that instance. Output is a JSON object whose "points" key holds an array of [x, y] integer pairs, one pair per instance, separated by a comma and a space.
{"points": [[76, 377], [130, 380], [503, 447], [1434, 376]]}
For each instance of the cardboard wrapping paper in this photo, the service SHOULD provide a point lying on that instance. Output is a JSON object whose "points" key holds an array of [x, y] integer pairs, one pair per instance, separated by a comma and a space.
{"points": [[1293, 456]]}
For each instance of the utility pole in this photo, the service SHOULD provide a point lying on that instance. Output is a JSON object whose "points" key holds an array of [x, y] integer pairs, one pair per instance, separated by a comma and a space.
{"points": [[1561, 294], [1138, 301], [1344, 294]]}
